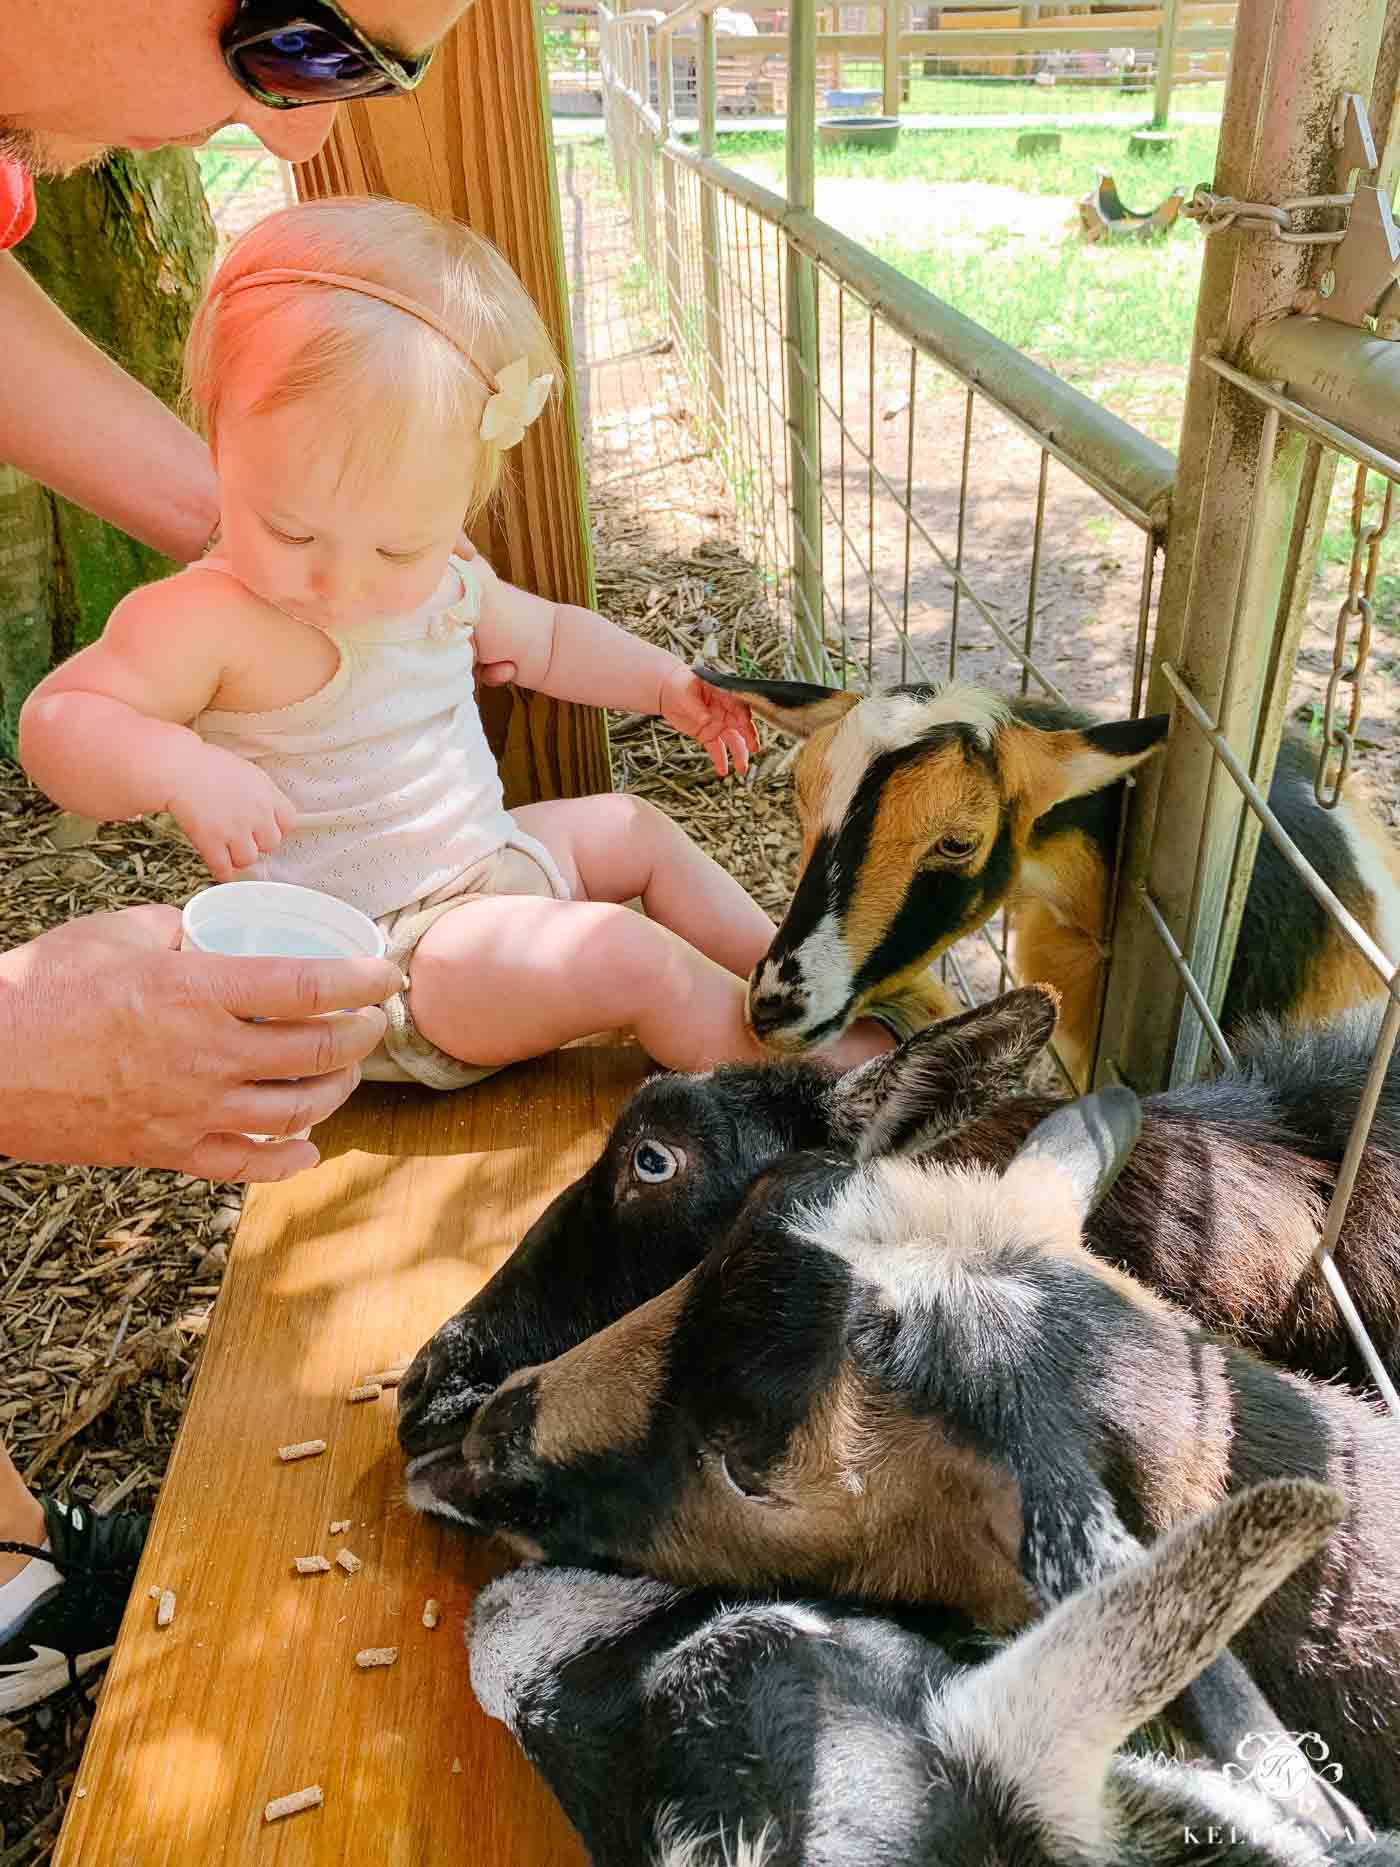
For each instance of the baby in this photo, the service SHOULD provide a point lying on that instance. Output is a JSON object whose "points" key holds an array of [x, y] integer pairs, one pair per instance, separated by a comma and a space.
{"points": [[302, 703]]}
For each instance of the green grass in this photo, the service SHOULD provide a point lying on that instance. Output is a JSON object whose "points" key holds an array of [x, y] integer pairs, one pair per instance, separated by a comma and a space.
{"points": [[980, 155], [1069, 303], [1006, 97], [1072, 304]]}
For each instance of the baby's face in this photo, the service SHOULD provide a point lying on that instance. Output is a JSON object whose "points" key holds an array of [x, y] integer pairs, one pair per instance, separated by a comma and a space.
{"points": [[334, 548]]}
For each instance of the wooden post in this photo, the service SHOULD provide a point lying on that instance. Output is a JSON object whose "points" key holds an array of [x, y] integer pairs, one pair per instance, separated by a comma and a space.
{"points": [[1225, 611], [709, 237], [804, 413], [1166, 62], [473, 143], [893, 13]]}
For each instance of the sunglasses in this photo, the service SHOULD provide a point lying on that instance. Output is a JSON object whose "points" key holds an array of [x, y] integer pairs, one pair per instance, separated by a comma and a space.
{"points": [[291, 53]]}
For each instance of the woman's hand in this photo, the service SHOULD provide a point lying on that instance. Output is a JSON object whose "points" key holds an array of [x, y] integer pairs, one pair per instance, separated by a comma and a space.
{"points": [[118, 1049]]}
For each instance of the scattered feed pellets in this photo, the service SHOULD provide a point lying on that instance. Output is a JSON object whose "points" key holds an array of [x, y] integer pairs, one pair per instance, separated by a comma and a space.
{"points": [[349, 1561], [311, 1565], [165, 1607], [386, 1377], [309, 1798], [370, 1390], [375, 1656], [430, 1612], [307, 1449]]}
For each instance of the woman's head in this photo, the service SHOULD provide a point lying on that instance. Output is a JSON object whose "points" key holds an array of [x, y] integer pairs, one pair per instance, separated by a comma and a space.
{"points": [[347, 429]]}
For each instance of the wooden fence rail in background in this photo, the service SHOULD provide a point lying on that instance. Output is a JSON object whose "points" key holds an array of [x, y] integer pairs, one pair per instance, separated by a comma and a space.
{"points": [[1186, 40]]}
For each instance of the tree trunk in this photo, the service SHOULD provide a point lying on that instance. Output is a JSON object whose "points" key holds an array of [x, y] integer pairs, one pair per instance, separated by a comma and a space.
{"points": [[123, 250]]}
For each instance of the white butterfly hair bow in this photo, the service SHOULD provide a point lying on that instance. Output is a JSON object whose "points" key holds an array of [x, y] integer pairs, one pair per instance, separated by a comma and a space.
{"points": [[518, 400]]}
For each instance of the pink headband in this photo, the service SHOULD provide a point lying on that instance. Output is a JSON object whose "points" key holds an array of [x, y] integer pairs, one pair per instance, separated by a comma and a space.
{"points": [[514, 400]]}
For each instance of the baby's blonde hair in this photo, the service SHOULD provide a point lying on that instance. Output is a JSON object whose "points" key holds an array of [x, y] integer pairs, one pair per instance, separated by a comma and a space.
{"points": [[391, 372]]}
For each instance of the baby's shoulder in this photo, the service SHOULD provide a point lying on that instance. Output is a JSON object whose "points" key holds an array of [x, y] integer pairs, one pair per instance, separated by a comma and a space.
{"points": [[193, 601]]}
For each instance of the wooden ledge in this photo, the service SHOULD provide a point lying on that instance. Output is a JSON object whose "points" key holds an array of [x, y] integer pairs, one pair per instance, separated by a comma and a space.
{"points": [[252, 1691]]}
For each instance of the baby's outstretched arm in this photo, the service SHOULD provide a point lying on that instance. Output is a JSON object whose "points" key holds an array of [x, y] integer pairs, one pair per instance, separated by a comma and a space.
{"points": [[576, 654], [106, 734]]}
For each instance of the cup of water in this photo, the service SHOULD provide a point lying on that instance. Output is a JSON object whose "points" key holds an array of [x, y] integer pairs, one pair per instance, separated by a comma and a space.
{"points": [[278, 920]]}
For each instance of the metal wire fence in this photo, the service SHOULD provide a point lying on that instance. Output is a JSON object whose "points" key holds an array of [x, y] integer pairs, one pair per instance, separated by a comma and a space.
{"points": [[895, 469], [1376, 477], [893, 466], [900, 476]]}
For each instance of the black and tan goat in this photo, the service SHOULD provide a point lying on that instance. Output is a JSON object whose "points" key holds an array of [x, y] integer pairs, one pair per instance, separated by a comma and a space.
{"points": [[911, 1382], [682, 1728], [925, 810], [1216, 1207]]}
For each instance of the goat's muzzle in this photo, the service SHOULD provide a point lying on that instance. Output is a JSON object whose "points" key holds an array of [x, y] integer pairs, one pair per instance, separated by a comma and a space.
{"points": [[434, 1408]]}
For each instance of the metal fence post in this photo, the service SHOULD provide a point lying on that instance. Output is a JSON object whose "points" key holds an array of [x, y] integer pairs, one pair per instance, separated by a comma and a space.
{"points": [[1166, 62], [890, 55], [1226, 619], [800, 338], [666, 99], [709, 235]]}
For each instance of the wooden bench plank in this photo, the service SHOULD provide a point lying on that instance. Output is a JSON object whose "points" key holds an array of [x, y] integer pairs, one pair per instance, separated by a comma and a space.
{"points": [[252, 1691]]}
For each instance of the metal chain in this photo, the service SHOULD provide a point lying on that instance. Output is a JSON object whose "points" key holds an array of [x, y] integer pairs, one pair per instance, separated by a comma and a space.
{"points": [[1356, 606], [1216, 212]]}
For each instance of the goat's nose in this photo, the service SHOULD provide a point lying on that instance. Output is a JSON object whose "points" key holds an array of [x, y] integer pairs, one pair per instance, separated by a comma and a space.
{"points": [[419, 1385], [770, 1011]]}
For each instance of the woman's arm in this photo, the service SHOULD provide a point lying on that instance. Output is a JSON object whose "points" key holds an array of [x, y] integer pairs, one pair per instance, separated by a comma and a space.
{"points": [[75, 420]]}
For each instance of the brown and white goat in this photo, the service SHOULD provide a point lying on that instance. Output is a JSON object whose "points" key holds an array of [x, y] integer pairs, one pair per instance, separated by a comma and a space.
{"points": [[1217, 1206], [925, 810], [684, 1728], [911, 1382]]}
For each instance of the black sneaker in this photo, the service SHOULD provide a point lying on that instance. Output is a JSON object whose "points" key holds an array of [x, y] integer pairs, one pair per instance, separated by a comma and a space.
{"points": [[73, 1627]]}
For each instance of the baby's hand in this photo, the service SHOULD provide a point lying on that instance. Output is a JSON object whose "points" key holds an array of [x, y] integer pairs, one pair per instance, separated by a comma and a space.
{"points": [[720, 721], [231, 811]]}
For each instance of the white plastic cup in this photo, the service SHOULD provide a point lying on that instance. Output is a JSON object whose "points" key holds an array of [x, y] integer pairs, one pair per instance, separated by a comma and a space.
{"points": [[278, 920]]}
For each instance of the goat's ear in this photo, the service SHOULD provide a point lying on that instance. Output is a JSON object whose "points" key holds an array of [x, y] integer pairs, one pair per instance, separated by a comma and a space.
{"points": [[1048, 1712], [1047, 768], [797, 707], [1087, 1142], [950, 1074]]}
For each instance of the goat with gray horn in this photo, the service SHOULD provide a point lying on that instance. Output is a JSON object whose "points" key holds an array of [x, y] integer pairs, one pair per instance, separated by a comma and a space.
{"points": [[685, 1729]]}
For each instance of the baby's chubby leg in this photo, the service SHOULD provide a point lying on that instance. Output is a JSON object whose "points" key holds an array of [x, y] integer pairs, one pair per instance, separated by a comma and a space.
{"points": [[619, 848], [512, 976]]}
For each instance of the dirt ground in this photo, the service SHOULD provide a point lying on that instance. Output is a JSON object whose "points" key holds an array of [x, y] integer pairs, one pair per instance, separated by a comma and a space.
{"points": [[107, 1278]]}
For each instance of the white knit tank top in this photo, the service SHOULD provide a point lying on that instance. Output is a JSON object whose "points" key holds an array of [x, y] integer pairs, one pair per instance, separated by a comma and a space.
{"points": [[387, 765]]}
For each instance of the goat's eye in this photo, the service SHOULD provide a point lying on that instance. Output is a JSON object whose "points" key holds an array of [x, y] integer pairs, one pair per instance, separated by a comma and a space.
{"points": [[654, 1162], [956, 848], [748, 1484]]}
